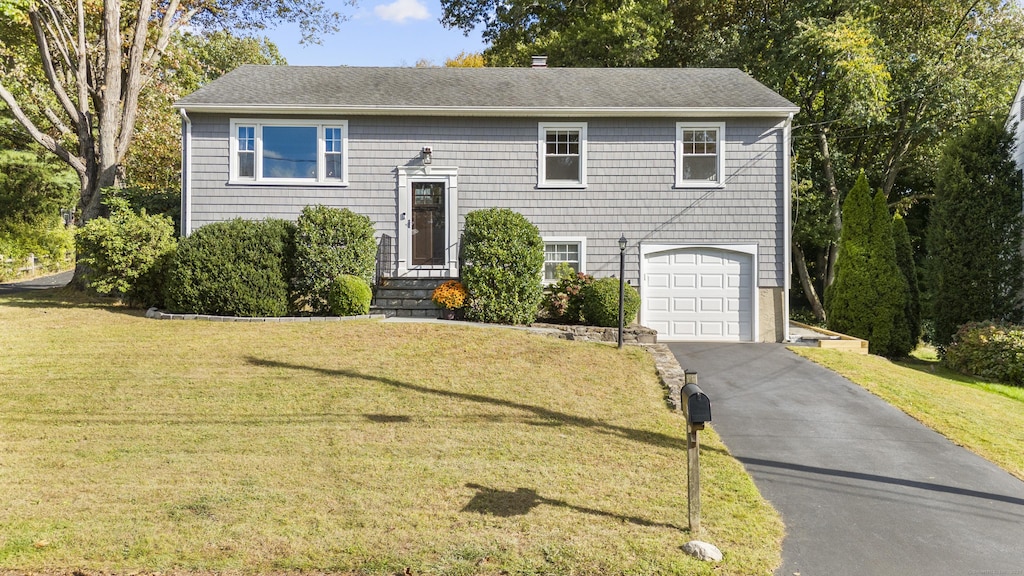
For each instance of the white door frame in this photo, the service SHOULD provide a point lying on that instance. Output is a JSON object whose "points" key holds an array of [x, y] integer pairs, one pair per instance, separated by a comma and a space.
{"points": [[748, 249], [450, 176]]}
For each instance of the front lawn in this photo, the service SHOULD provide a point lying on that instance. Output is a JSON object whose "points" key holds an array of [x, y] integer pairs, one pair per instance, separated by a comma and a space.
{"points": [[358, 447], [986, 418]]}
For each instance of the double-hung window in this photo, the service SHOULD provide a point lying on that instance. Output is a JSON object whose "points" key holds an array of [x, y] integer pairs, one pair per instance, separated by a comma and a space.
{"points": [[699, 154], [570, 250], [562, 155], [289, 152]]}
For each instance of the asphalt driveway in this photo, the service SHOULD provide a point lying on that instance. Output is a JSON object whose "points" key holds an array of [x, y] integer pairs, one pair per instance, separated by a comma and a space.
{"points": [[863, 488], [41, 283]]}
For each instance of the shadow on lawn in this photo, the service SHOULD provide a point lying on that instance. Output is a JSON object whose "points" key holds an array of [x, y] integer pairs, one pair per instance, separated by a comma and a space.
{"points": [[552, 417], [506, 503]]}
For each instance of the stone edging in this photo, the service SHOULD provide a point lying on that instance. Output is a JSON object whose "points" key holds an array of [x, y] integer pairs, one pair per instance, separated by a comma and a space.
{"points": [[158, 315], [670, 372]]}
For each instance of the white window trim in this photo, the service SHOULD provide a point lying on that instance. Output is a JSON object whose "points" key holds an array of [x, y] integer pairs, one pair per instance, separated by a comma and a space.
{"points": [[581, 240], [720, 169], [542, 129], [321, 148]]}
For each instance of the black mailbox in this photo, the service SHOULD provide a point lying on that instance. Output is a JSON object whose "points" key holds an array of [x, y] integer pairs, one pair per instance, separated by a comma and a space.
{"points": [[698, 405]]}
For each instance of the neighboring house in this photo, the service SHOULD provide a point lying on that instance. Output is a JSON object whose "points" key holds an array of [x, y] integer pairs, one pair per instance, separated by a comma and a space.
{"points": [[1015, 122], [691, 165]]}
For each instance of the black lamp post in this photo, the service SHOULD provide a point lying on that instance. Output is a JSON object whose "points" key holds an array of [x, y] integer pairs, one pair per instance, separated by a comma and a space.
{"points": [[622, 281]]}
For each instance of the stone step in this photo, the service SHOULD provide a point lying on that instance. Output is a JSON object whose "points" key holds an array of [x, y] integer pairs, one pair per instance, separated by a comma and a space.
{"points": [[405, 312]]}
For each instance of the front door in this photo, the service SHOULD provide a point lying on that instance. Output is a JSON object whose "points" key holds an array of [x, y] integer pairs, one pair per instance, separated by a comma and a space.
{"points": [[429, 229]]}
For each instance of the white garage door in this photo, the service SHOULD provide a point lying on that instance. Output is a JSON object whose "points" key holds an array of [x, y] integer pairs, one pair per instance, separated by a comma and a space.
{"points": [[698, 294]]}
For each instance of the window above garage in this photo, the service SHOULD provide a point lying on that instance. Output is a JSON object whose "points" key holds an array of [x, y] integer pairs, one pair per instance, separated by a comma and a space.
{"points": [[699, 154]]}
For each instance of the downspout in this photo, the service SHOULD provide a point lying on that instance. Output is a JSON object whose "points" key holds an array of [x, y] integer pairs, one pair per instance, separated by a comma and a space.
{"points": [[186, 173], [787, 229]]}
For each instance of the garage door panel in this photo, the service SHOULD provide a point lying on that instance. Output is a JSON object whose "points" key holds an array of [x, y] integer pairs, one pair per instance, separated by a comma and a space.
{"points": [[658, 280], [699, 294], [684, 305], [684, 280], [712, 304]]}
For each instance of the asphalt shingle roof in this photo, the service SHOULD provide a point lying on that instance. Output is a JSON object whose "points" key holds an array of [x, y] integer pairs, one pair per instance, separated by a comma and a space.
{"points": [[295, 87]]}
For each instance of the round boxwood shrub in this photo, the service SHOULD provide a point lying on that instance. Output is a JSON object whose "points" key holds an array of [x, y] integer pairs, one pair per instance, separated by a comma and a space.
{"points": [[349, 295], [503, 255], [991, 350], [233, 268], [330, 242], [601, 303]]}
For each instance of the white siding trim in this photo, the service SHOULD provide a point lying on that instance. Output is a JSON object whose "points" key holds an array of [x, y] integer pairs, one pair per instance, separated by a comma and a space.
{"points": [[186, 173]]}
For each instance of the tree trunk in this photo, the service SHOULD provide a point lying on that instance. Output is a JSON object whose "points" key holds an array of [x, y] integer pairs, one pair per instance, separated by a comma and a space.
{"points": [[806, 283], [837, 211]]}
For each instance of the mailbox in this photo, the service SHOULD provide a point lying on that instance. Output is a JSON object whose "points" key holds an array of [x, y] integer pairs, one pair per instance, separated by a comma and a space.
{"points": [[698, 405]]}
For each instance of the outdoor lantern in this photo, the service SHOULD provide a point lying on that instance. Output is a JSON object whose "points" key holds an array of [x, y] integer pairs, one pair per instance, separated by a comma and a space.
{"points": [[426, 153], [622, 243]]}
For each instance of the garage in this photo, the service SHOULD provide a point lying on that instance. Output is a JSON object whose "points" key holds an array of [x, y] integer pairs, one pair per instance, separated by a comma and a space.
{"points": [[698, 293]]}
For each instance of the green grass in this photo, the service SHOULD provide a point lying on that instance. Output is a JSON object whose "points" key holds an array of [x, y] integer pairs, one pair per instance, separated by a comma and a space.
{"points": [[984, 417], [359, 447]]}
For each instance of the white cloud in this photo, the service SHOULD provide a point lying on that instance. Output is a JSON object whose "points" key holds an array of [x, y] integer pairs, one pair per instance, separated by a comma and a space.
{"points": [[402, 10]]}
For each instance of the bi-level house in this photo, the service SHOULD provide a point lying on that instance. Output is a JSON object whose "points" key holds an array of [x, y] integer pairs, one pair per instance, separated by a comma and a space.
{"points": [[690, 165]]}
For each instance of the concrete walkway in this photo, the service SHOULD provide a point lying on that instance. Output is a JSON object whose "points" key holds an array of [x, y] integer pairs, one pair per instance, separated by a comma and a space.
{"points": [[863, 488]]}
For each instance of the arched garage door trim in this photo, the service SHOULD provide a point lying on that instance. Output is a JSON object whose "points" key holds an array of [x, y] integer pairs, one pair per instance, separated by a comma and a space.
{"points": [[647, 251]]}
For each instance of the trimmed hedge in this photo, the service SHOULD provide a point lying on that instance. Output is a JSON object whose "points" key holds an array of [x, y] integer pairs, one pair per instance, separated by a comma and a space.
{"points": [[991, 350], [503, 255], [330, 242], [601, 303], [233, 268], [349, 295], [127, 254]]}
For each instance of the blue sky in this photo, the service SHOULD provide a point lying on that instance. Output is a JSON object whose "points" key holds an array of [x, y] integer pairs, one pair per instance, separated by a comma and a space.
{"points": [[380, 33]]}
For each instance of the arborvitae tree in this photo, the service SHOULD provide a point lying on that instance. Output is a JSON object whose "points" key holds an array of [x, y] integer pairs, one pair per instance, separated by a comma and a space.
{"points": [[849, 298], [905, 260], [974, 233], [868, 297], [890, 330]]}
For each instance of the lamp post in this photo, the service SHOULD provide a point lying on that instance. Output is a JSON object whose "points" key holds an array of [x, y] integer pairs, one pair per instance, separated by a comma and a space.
{"points": [[622, 281]]}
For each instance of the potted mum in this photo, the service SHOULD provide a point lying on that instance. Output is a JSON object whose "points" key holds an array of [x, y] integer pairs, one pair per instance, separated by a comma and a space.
{"points": [[450, 296]]}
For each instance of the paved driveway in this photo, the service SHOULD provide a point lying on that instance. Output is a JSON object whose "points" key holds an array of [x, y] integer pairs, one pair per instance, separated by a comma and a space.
{"points": [[863, 488], [42, 283]]}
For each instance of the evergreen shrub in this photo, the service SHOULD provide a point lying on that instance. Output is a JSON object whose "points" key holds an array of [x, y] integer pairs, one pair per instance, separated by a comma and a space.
{"points": [[349, 295], [601, 303], [991, 350], [233, 268], [127, 254], [503, 254], [330, 242]]}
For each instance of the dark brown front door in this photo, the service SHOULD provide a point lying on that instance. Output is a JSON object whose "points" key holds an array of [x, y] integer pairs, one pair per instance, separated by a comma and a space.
{"points": [[428, 225]]}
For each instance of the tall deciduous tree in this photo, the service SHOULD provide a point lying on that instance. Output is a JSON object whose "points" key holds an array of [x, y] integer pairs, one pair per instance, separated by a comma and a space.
{"points": [[74, 69], [153, 161], [974, 235]]}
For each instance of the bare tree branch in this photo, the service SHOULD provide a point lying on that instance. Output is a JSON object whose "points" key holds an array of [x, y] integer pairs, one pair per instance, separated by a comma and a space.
{"points": [[44, 140], [51, 74]]}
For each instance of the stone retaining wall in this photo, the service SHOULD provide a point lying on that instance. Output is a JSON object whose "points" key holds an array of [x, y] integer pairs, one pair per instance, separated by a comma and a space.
{"points": [[634, 334]]}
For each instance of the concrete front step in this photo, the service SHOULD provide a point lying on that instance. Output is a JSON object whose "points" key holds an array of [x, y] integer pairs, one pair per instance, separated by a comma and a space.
{"points": [[406, 297]]}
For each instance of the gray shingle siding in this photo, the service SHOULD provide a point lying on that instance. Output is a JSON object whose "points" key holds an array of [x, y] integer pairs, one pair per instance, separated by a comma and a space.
{"points": [[630, 176]]}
